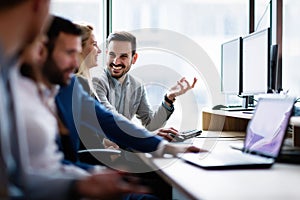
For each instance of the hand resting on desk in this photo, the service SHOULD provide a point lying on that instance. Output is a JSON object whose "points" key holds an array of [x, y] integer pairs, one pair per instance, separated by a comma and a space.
{"points": [[175, 149], [169, 148]]}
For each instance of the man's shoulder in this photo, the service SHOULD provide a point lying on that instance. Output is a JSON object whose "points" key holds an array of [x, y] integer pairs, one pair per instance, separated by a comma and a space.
{"points": [[81, 78], [134, 80], [102, 77]]}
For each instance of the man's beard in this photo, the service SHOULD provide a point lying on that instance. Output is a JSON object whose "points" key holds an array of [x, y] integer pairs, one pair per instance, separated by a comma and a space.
{"points": [[118, 76], [53, 74]]}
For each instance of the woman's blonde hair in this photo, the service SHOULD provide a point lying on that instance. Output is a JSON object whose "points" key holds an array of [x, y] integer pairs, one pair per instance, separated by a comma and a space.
{"points": [[86, 32]]}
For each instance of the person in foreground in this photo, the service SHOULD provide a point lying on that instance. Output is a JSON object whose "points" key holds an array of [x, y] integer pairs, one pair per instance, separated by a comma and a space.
{"points": [[20, 22]]}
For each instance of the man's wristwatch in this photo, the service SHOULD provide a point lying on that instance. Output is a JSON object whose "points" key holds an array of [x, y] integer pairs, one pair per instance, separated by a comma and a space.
{"points": [[169, 100]]}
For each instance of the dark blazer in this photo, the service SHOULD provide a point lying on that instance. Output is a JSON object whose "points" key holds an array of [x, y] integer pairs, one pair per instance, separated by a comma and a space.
{"points": [[82, 114]]}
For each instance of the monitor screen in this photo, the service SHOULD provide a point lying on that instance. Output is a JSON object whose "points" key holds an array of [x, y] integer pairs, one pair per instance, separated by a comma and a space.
{"points": [[230, 66], [255, 62]]}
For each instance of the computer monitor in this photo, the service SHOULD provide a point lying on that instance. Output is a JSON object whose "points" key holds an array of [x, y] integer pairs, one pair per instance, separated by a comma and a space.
{"points": [[255, 67], [231, 66]]}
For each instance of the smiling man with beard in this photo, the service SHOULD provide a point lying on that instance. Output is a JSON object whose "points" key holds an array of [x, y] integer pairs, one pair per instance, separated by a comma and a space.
{"points": [[123, 93]]}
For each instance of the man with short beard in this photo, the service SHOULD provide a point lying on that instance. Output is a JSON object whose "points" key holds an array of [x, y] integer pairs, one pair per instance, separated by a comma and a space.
{"points": [[123, 93]]}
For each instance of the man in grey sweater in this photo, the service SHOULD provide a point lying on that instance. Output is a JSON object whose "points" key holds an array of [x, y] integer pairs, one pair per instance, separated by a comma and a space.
{"points": [[123, 93]]}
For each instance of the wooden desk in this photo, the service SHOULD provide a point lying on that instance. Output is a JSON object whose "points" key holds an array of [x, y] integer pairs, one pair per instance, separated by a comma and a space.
{"points": [[218, 120], [279, 182]]}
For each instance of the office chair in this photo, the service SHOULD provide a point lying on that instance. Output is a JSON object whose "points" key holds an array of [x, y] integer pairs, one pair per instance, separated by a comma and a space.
{"points": [[92, 151]]}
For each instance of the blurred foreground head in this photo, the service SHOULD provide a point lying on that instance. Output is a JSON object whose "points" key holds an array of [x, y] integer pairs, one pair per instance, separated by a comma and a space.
{"points": [[20, 23]]}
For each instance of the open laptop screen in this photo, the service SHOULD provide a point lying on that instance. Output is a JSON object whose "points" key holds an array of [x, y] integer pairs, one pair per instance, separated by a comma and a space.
{"points": [[267, 128]]}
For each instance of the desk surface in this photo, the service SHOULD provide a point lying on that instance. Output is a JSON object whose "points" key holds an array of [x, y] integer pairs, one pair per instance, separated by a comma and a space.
{"points": [[237, 114], [295, 120], [279, 182]]}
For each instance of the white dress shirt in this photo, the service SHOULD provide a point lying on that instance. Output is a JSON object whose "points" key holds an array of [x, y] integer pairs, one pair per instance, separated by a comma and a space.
{"points": [[41, 130]]}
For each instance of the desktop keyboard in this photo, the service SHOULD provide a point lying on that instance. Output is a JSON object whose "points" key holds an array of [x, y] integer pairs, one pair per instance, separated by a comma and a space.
{"points": [[237, 109]]}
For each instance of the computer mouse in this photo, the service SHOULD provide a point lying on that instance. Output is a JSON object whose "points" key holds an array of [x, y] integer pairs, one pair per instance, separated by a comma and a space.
{"points": [[218, 107]]}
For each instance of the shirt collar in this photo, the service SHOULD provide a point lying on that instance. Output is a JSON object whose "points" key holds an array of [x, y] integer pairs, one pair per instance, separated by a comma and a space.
{"points": [[115, 81], [6, 63], [49, 92]]}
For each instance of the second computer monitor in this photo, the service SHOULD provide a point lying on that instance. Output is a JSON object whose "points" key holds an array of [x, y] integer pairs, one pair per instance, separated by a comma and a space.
{"points": [[231, 66], [255, 65]]}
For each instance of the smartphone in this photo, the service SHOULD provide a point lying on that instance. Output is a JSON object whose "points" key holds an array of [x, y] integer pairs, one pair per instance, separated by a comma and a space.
{"points": [[184, 135]]}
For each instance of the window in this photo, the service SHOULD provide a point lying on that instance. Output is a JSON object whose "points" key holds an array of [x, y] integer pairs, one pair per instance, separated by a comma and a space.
{"points": [[291, 48], [262, 14], [87, 11]]}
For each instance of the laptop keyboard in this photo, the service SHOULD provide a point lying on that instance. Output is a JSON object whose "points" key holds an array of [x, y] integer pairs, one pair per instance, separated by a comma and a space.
{"points": [[236, 157]]}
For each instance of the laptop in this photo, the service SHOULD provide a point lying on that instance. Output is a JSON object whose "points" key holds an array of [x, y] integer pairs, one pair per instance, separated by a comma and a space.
{"points": [[264, 138]]}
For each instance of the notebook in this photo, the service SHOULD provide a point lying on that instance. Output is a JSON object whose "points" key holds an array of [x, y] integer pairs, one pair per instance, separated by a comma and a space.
{"points": [[264, 138]]}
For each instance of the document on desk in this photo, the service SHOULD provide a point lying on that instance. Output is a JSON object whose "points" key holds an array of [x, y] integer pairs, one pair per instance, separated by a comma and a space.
{"points": [[264, 138]]}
